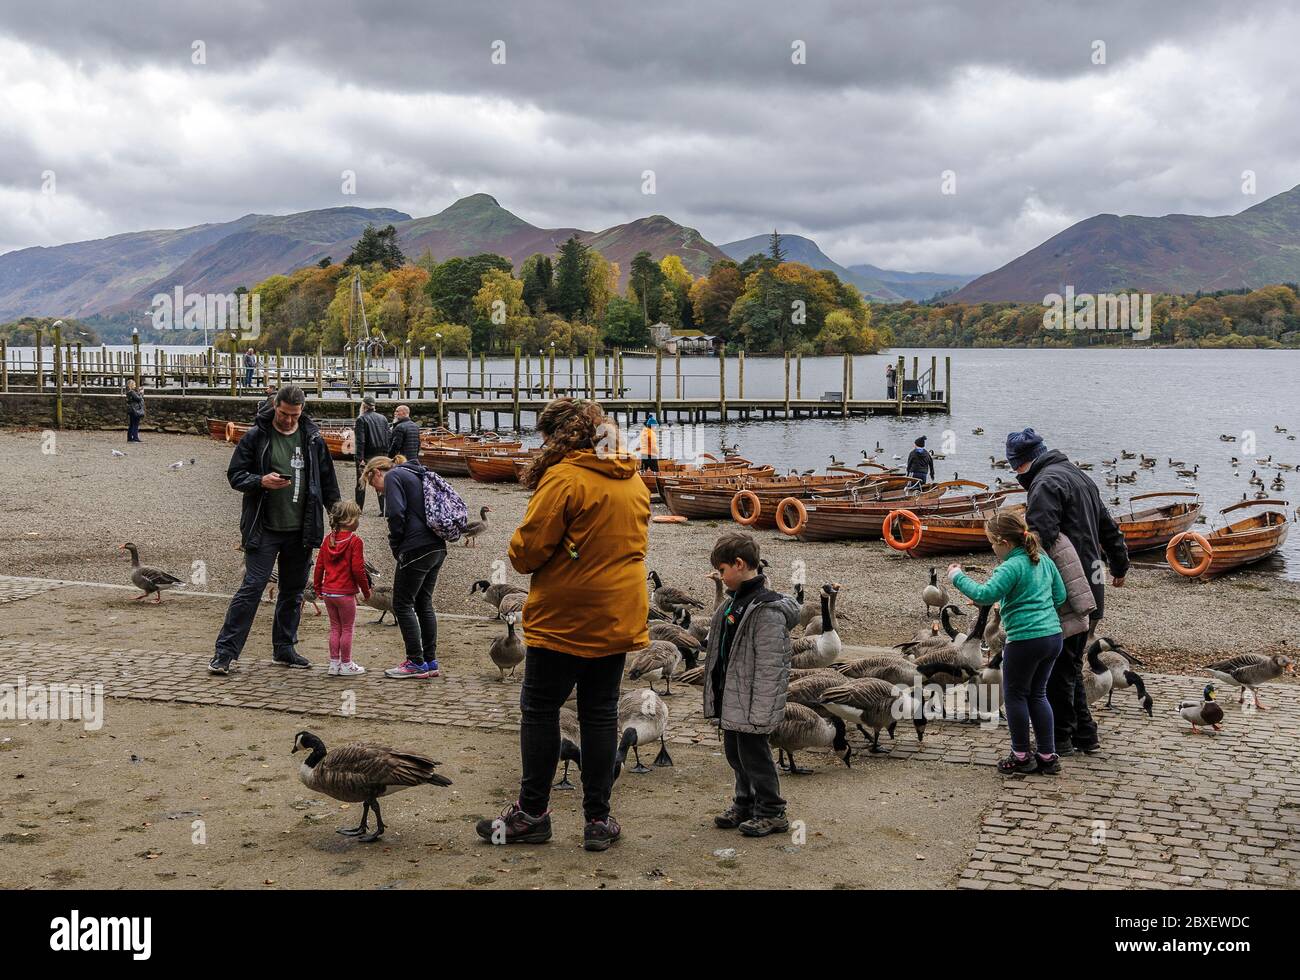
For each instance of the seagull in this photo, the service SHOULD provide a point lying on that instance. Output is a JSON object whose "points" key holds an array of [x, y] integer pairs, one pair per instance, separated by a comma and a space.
{"points": [[118, 453], [176, 465]]}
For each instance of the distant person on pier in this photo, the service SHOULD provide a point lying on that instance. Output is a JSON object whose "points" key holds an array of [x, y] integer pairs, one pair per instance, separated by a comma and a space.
{"points": [[371, 436], [920, 464], [405, 436], [284, 470], [650, 445], [1063, 501], [250, 364], [134, 410], [890, 372]]}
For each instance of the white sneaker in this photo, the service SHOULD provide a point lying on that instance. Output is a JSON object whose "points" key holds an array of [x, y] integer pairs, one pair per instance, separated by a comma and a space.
{"points": [[334, 667], [351, 667]]}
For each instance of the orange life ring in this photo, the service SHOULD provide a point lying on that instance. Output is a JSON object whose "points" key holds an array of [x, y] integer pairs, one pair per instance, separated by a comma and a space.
{"points": [[887, 531], [1171, 554], [799, 509], [230, 432], [738, 516], [668, 519]]}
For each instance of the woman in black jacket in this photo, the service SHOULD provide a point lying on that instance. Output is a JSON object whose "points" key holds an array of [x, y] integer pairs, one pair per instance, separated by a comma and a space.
{"points": [[134, 411]]}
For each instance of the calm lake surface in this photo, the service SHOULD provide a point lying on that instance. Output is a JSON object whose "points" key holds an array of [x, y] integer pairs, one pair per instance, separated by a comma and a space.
{"points": [[1092, 404]]}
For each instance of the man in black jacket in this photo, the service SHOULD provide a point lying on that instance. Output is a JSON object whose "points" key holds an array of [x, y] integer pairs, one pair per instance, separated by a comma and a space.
{"points": [[920, 464], [406, 435], [371, 438], [1062, 499], [284, 470]]}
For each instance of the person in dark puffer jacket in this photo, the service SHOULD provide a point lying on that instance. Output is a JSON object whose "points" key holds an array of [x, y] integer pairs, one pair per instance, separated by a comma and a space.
{"points": [[405, 438], [371, 438], [1063, 500]]}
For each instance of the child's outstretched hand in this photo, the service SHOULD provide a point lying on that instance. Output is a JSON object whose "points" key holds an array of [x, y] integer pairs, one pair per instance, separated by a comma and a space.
{"points": [[953, 570]]}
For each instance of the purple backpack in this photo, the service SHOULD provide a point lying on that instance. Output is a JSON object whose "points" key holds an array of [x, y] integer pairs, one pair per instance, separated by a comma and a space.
{"points": [[444, 510]]}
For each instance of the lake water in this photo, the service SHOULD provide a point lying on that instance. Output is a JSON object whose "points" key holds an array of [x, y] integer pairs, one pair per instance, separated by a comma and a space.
{"points": [[1089, 403]]}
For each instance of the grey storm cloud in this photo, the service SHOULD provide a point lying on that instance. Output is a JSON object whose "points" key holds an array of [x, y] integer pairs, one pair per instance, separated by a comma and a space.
{"points": [[847, 148]]}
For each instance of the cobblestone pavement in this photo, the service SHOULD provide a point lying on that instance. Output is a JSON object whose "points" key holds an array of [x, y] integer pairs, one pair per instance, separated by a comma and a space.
{"points": [[13, 589], [1159, 808]]}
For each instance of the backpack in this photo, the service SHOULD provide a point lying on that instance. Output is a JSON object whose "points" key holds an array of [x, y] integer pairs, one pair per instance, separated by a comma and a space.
{"points": [[444, 510]]}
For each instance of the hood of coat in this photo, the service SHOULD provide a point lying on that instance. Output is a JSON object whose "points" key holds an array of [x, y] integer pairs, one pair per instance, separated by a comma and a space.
{"points": [[1049, 458], [610, 466], [787, 606], [336, 542]]}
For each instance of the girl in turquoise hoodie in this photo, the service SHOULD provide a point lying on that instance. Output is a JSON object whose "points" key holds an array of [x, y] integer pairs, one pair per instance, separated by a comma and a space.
{"points": [[1029, 587]]}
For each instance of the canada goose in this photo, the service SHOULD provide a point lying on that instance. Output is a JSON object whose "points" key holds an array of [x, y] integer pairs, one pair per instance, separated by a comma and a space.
{"points": [[995, 635], [1125, 454], [361, 773], [381, 598], [820, 649], [1176, 463], [697, 628], [693, 676], [669, 599], [475, 529], [829, 598], [934, 594], [1109, 670], [875, 704], [803, 728], [493, 593], [1113, 461], [1254, 480], [977, 431], [512, 604], [985, 689], [642, 718], [836, 462], [1131, 478], [570, 742], [507, 652], [931, 639], [999, 464], [1250, 670], [1279, 428], [1205, 711], [1084, 466], [1277, 483], [956, 662], [1190, 474], [151, 581], [659, 660], [1266, 460], [886, 667], [686, 642], [1227, 438], [1147, 461]]}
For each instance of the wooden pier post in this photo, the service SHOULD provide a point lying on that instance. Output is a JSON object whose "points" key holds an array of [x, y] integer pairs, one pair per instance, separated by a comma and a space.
{"points": [[740, 381], [678, 359], [798, 376], [515, 400], [234, 373], [81, 369], [787, 384], [422, 372], [482, 374], [552, 370], [844, 385], [4, 365], [212, 368], [58, 375], [442, 417], [947, 382], [899, 377], [934, 374], [722, 385], [39, 363], [916, 371], [851, 373], [320, 370], [659, 385]]}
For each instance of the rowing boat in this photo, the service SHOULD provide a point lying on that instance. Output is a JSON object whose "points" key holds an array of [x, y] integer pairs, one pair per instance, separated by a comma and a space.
{"points": [[945, 534], [1154, 527], [701, 500], [862, 517], [1235, 544], [499, 467]]}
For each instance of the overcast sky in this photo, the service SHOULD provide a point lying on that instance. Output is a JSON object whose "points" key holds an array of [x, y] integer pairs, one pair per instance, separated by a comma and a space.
{"points": [[847, 148]]}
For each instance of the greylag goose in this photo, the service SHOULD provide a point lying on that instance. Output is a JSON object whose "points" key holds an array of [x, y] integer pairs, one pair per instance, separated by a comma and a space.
{"points": [[475, 529], [150, 581], [1250, 670]]}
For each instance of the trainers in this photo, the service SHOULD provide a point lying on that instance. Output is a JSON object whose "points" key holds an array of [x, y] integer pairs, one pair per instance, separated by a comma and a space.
{"points": [[431, 668], [515, 827], [1089, 748], [1064, 749], [1051, 766], [762, 826], [349, 668], [731, 818], [334, 667], [1013, 764], [290, 658], [599, 834], [219, 664], [406, 669]]}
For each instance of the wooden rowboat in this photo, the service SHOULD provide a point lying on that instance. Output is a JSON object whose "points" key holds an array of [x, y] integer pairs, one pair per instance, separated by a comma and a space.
{"points": [[863, 520], [701, 500], [946, 534], [1154, 527], [712, 474], [455, 461], [499, 467], [338, 437], [1233, 545]]}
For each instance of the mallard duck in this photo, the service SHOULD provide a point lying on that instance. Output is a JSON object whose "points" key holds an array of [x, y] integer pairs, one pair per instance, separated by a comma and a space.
{"points": [[1250, 670], [381, 598], [643, 719], [934, 595], [821, 648], [1206, 711], [1105, 654], [151, 581], [660, 660], [494, 593], [476, 529], [361, 773], [803, 728], [670, 599], [870, 702], [508, 651], [570, 744]]}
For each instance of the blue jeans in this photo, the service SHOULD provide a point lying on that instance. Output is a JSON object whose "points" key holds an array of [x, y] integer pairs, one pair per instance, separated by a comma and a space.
{"points": [[248, 377], [1026, 666], [284, 548]]}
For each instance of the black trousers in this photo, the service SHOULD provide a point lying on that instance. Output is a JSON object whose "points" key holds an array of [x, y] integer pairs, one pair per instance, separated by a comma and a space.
{"points": [[650, 463], [413, 582], [277, 547], [133, 428], [1065, 693], [549, 679], [758, 788]]}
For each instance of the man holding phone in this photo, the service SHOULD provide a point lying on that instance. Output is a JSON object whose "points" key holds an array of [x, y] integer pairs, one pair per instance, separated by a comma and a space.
{"points": [[284, 470]]}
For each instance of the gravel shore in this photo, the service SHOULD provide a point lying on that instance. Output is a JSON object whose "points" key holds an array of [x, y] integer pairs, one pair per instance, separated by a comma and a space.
{"points": [[70, 509]]}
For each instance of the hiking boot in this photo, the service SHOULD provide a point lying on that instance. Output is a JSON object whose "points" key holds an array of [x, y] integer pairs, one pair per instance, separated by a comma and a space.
{"points": [[731, 818], [1064, 749], [1013, 764], [599, 834], [290, 658], [1051, 766], [515, 827], [762, 826], [1089, 748], [406, 669], [219, 664]]}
